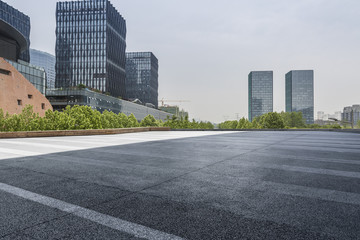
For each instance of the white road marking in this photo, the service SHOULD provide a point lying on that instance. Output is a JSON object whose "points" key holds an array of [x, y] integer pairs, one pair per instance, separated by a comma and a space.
{"points": [[46, 145], [134, 229]]}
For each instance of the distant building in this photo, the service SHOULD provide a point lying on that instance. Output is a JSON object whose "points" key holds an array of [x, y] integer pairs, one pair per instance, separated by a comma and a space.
{"points": [[14, 34], [299, 93], [46, 61], [351, 114], [90, 46], [101, 102], [174, 110], [321, 115], [142, 77], [260, 93], [14, 98]]}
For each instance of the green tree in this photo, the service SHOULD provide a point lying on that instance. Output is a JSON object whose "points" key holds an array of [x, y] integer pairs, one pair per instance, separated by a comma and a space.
{"points": [[149, 121], [293, 119], [272, 120], [244, 124], [132, 121], [228, 125]]}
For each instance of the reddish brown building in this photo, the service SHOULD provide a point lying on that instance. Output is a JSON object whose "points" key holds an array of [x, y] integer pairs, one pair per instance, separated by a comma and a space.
{"points": [[16, 92]]}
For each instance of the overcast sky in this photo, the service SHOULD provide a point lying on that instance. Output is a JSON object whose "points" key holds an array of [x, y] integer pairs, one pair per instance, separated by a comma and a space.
{"points": [[206, 48]]}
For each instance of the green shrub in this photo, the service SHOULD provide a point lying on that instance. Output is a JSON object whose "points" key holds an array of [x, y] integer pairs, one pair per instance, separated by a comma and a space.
{"points": [[150, 121]]}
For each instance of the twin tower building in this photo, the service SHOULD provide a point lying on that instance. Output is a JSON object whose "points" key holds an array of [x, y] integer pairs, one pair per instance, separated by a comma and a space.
{"points": [[299, 93]]}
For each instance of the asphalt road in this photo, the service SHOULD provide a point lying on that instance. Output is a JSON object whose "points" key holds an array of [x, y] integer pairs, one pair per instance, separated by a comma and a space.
{"points": [[182, 185]]}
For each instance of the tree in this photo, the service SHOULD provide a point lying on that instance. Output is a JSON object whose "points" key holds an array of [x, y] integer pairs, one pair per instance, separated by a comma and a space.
{"points": [[272, 120], [293, 119], [244, 124], [228, 125], [149, 121], [132, 121]]}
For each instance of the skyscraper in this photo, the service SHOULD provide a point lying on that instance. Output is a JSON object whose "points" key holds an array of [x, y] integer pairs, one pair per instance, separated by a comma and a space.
{"points": [[299, 94], [260, 93], [14, 33], [46, 61], [90, 46], [142, 77]]}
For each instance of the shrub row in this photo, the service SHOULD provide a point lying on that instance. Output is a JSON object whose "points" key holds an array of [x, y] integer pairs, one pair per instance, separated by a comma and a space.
{"points": [[274, 120], [83, 117]]}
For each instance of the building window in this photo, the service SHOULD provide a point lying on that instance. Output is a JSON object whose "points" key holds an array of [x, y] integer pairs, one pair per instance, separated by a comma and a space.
{"points": [[30, 96], [19, 102], [43, 106], [5, 72]]}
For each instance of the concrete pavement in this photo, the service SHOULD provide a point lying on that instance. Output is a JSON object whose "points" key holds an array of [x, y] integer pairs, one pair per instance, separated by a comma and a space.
{"points": [[182, 185]]}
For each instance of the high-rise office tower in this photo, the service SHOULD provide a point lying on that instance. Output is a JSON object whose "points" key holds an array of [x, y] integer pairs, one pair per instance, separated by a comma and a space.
{"points": [[14, 34], [260, 93], [46, 61], [299, 94], [90, 46], [142, 77]]}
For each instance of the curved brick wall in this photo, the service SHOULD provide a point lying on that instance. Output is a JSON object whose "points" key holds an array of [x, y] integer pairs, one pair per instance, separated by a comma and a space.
{"points": [[16, 92]]}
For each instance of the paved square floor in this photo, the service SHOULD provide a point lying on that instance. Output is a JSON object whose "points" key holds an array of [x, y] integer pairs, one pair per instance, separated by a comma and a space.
{"points": [[182, 185]]}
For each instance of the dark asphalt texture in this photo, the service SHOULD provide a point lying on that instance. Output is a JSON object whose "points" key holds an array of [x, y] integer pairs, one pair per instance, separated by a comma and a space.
{"points": [[242, 185]]}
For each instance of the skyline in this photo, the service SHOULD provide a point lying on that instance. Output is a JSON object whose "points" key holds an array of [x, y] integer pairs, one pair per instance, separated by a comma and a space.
{"points": [[205, 56]]}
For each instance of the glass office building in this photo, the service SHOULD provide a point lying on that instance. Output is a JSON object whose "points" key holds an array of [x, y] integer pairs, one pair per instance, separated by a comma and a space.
{"points": [[90, 46], [299, 93], [59, 99], [142, 77], [260, 93], [13, 22], [46, 61]]}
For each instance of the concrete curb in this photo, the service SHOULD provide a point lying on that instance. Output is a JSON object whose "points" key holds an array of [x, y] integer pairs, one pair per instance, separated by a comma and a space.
{"points": [[60, 133], [275, 130]]}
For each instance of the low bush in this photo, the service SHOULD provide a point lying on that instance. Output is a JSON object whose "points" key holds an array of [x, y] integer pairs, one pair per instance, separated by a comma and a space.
{"points": [[83, 117]]}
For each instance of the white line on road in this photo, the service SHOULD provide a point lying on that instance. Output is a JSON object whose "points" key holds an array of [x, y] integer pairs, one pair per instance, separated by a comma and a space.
{"points": [[134, 229]]}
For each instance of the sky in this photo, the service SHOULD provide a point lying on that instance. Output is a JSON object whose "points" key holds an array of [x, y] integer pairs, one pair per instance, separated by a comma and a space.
{"points": [[206, 48]]}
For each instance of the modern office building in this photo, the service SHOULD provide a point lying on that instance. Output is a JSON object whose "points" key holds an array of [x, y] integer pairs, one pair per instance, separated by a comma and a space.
{"points": [[46, 61], [14, 33], [351, 115], [299, 93], [101, 102], [90, 46], [142, 77], [16, 92], [260, 93]]}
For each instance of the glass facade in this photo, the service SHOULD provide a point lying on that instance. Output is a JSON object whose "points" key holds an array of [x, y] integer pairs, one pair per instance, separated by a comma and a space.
{"points": [[35, 75], [260, 93], [20, 22], [299, 93], [90, 46], [46, 61], [59, 99], [142, 77]]}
